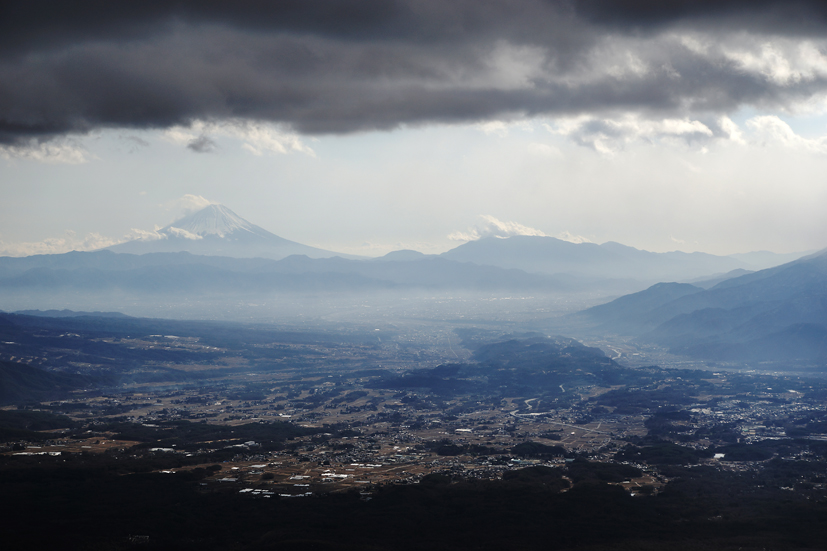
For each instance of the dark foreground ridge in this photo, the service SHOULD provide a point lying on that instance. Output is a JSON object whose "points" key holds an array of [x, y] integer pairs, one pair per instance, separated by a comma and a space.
{"points": [[95, 503]]}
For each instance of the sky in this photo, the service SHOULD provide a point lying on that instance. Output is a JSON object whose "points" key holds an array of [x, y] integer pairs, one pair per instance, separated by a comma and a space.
{"points": [[365, 126]]}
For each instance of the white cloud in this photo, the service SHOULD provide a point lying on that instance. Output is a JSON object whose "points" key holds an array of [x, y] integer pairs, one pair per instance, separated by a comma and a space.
{"points": [[91, 242], [180, 232], [57, 151], [182, 135], [58, 245], [143, 235], [731, 130], [188, 203], [610, 135], [492, 227], [258, 138], [782, 62], [771, 130], [497, 128], [572, 238]]}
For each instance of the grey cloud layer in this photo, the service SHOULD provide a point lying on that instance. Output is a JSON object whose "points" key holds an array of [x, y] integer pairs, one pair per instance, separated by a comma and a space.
{"points": [[335, 67]]}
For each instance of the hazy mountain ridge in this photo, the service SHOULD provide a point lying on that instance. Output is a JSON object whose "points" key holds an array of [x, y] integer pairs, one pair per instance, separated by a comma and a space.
{"points": [[216, 231], [109, 260], [189, 278], [554, 256], [709, 282], [162, 272], [634, 313], [774, 314], [66, 313]]}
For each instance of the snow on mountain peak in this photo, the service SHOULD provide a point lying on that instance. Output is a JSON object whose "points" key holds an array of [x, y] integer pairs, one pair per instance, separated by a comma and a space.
{"points": [[215, 230], [215, 220]]}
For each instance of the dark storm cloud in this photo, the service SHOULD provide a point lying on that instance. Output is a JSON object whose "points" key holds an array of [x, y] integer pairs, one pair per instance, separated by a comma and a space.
{"points": [[794, 17], [344, 66]]}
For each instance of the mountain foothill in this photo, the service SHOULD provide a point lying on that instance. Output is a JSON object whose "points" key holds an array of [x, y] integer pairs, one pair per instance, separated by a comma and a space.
{"points": [[778, 315]]}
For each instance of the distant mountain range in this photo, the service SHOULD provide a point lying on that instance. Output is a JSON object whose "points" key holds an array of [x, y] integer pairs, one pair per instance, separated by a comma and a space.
{"points": [[775, 314], [217, 231], [70, 314], [187, 274], [550, 255], [214, 254]]}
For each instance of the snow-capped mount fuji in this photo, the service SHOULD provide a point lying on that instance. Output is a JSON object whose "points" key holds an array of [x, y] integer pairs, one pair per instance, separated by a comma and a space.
{"points": [[215, 230], [215, 220]]}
